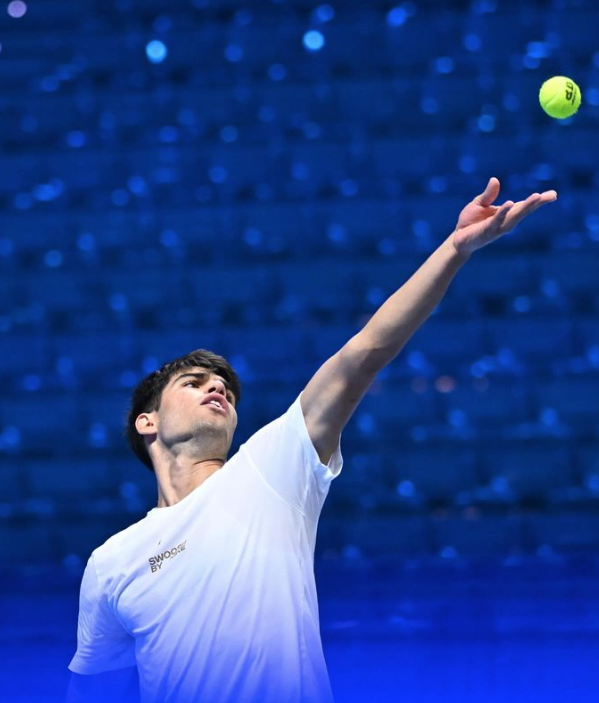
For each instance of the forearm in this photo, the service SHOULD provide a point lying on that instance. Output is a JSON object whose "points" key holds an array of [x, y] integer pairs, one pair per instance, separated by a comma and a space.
{"points": [[390, 328]]}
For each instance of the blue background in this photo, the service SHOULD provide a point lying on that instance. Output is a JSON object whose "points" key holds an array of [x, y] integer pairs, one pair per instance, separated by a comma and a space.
{"points": [[256, 179]]}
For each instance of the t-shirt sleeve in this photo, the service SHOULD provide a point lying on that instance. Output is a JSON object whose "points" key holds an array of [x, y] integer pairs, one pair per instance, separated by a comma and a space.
{"points": [[103, 644], [284, 455]]}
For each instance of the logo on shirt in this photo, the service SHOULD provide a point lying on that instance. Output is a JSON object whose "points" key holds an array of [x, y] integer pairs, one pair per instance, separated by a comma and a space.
{"points": [[157, 561]]}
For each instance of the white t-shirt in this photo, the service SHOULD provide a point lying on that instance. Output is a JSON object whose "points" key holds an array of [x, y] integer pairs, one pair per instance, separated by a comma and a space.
{"points": [[214, 598]]}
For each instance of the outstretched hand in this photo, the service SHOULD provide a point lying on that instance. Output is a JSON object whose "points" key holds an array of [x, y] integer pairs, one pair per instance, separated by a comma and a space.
{"points": [[481, 223]]}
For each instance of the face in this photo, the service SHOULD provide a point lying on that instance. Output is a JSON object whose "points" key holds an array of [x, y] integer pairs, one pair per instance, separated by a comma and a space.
{"points": [[186, 423]]}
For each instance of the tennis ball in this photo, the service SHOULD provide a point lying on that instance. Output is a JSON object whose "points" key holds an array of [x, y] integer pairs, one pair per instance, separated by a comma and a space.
{"points": [[560, 97]]}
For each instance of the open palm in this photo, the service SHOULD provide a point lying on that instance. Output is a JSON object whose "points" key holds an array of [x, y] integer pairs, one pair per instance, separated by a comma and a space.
{"points": [[480, 222]]}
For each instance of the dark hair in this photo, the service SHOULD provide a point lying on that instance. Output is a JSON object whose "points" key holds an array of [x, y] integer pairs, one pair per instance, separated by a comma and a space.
{"points": [[148, 392]]}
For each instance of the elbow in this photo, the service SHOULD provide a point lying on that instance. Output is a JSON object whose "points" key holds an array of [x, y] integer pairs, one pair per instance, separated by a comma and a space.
{"points": [[362, 356]]}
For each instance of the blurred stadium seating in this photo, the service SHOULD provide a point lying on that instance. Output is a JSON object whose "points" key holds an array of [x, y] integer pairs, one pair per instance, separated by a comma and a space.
{"points": [[237, 187]]}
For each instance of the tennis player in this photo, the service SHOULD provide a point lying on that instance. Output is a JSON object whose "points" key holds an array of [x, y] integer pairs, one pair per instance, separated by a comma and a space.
{"points": [[211, 597]]}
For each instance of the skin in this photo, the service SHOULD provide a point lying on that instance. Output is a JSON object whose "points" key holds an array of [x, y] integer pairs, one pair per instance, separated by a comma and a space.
{"points": [[481, 222], [188, 441]]}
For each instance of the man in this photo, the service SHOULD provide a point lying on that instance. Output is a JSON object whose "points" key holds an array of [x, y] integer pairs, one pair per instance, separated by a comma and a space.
{"points": [[212, 595]]}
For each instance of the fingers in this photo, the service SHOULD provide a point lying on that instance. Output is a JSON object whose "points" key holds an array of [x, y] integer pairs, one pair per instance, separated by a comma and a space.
{"points": [[502, 213], [549, 196], [490, 193], [524, 207], [536, 200], [497, 223]]}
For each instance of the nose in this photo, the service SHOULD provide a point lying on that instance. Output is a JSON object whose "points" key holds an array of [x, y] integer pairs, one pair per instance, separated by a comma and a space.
{"points": [[217, 386]]}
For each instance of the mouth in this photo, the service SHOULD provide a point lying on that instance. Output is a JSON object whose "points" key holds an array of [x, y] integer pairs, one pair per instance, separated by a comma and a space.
{"points": [[215, 407], [218, 410]]}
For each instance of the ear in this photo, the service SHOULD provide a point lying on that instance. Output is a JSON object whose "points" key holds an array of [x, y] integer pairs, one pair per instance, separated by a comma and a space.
{"points": [[145, 424]]}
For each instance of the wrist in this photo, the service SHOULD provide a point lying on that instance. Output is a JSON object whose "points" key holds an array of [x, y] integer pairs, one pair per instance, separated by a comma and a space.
{"points": [[458, 255]]}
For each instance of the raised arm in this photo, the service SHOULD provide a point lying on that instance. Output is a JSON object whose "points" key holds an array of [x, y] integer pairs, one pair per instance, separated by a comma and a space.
{"points": [[333, 393]]}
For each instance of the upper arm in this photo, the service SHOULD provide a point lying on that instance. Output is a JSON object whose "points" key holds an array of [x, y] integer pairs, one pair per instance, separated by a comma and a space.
{"points": [[115, 686], [333, 393]]}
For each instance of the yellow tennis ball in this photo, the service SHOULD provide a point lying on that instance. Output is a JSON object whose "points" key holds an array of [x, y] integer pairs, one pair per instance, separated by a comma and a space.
{"points": [[560, 97]]}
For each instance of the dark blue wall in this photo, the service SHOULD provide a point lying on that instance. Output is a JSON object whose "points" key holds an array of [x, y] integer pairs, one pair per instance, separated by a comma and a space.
{"points": [[256, 179]]}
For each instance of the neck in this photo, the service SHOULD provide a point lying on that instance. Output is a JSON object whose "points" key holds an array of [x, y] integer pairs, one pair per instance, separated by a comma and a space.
{"points": [[174, 485]]}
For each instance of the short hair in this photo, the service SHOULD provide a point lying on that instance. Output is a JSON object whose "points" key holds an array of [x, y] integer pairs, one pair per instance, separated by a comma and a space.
{"points": [[148, 393]]}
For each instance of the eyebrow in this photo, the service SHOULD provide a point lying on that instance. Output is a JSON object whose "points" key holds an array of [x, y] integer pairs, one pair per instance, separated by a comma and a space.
{"points": [[204, 373]]}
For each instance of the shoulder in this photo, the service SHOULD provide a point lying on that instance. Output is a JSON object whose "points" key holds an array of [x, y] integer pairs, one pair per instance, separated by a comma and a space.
{"points": [[120, 542]]}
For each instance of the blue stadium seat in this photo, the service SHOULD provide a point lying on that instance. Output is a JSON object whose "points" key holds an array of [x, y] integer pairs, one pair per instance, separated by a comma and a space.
{"points": [[413, 43], [569, 155], [261, 350], [41, 411], [501, 403], [387, 536], [365, 221], [396, 406], [272, 220], [417, 156], [177, 342], [107, 409], [22, 352], [495, 274], [95, 351], [574, 398], [530, 338], [34, 545], [212, 286], [68, 479], [496, 155], [437, 471], [566, 532], [81, 536], [447, 340], [587, 485], [324, 285], [57, 291], [359, 487], [12, 481], [477, 537], [531, 469], [587, 331], [573, 271]]}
